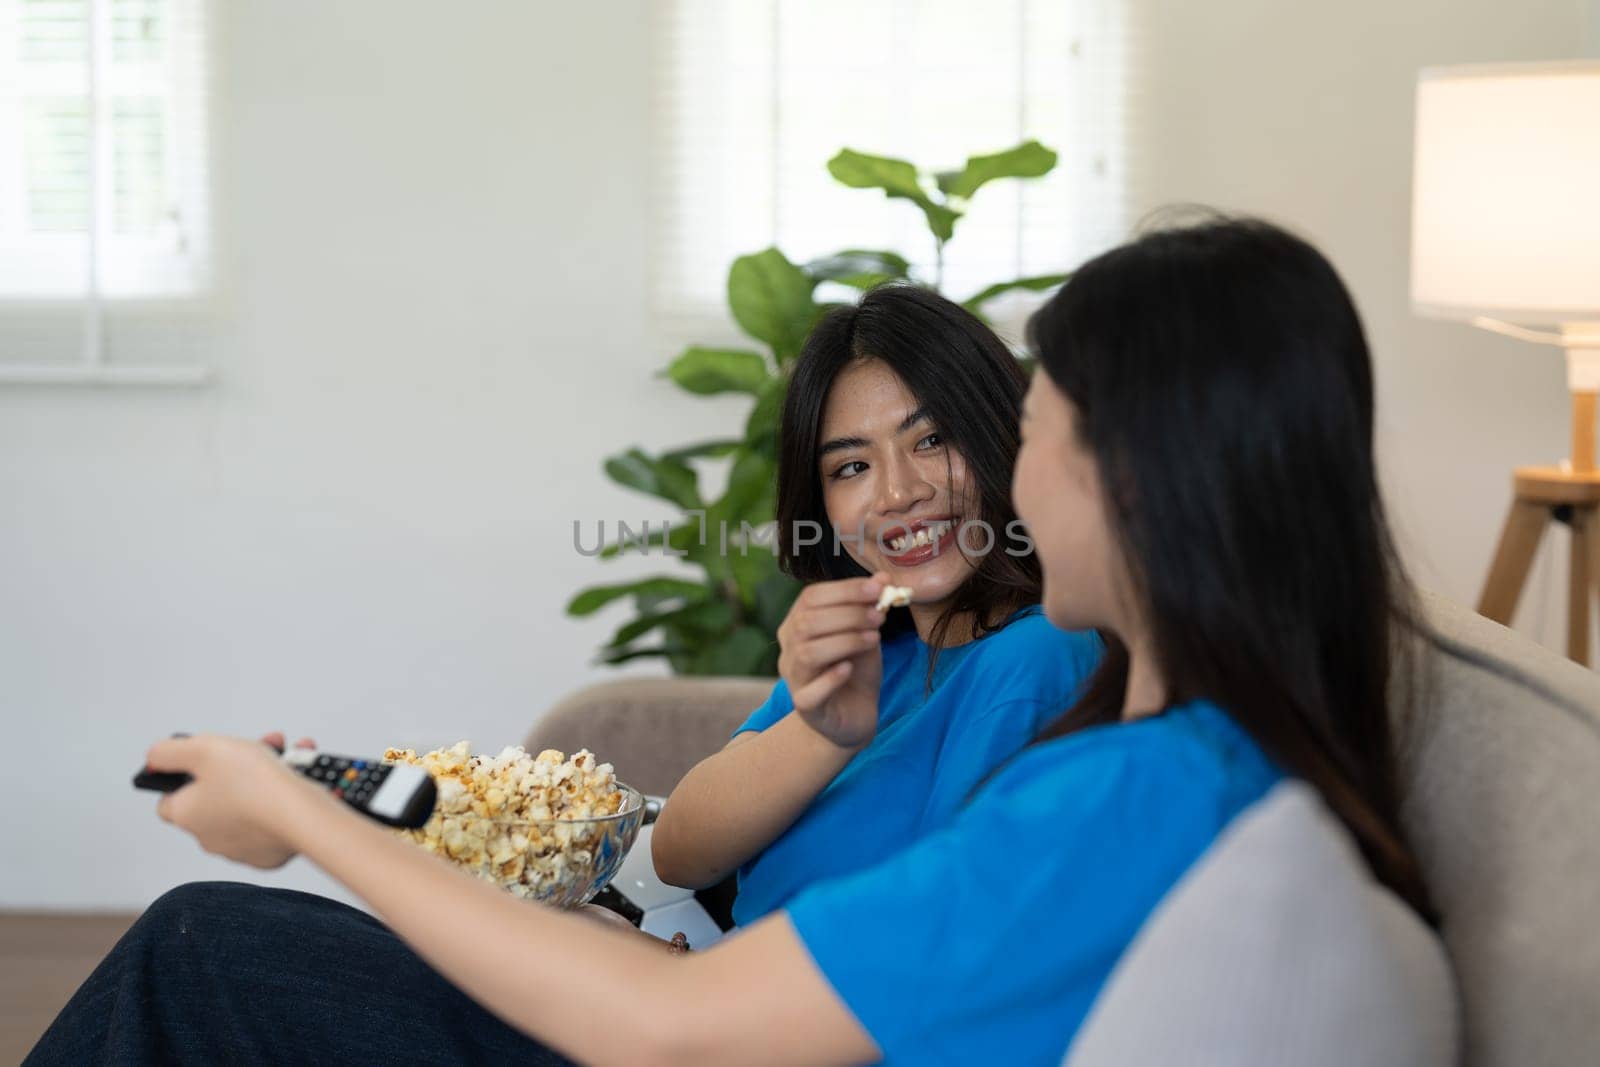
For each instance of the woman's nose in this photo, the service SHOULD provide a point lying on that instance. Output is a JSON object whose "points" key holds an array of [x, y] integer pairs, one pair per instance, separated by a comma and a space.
{"points": [[903, 486]]}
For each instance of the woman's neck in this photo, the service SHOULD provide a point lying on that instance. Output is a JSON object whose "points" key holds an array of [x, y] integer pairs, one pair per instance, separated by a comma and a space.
{"points": [[963, 627], [925, 616], [1146, 692]]}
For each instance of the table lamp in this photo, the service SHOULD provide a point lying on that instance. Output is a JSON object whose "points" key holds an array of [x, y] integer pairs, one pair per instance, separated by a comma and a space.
{"points": [[1505, 235]]}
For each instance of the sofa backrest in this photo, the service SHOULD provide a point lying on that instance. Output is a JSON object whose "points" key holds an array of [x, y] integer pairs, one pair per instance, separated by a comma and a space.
{"points": [[653, 730], [1501, 759]]}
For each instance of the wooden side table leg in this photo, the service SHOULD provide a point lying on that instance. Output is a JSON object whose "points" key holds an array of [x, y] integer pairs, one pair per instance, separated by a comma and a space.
{"points": [[1592, 536], [1578, 587], [1519, 540]]}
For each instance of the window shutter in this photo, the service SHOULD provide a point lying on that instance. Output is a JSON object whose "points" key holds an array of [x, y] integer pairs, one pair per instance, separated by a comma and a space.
{"points": [[105, 246], [755, 96]]}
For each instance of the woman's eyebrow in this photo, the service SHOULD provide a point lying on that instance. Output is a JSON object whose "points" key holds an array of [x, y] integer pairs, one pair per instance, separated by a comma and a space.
{"points": [[919, 415], [844, 444]]}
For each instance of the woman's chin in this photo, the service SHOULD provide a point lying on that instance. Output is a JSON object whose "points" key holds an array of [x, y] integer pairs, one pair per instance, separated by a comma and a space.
{"points": [[1066, 616], [932, 581]]}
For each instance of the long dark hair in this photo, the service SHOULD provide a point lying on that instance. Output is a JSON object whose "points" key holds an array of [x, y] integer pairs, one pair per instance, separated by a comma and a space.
{"points": [[1223, 384], [971, 387]]}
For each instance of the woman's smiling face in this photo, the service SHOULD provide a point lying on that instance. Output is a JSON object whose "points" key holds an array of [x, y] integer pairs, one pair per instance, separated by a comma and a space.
{"points": [[889, 479]]}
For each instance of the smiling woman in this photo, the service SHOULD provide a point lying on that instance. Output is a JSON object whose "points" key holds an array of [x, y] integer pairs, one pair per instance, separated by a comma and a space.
{"points": [[898, 436], [899, 432]]}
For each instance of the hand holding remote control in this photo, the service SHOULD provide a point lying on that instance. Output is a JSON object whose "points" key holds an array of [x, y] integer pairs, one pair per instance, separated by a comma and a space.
{"points": [[228, 772]]}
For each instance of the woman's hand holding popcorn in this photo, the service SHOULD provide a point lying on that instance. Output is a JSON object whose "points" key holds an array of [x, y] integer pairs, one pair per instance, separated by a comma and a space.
{"points": [[829, 655]]}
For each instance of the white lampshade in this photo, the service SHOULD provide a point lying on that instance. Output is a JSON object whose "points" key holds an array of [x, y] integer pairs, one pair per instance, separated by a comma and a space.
{"points": [[1505, 212]]}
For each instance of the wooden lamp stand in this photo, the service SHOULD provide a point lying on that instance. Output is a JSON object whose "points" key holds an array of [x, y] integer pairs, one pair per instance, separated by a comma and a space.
{"points": [[1543, 494]]}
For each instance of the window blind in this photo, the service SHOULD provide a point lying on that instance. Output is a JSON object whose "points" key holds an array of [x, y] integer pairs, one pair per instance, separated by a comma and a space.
{"points": [[105, 235], [754, 97]]}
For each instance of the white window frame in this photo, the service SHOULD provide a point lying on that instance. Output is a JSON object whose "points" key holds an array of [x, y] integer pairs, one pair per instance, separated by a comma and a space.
{"points": [[162, 281], [1096, 58]]}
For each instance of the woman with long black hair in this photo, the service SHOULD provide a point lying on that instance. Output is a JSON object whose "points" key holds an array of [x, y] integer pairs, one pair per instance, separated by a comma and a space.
{"points": [[899, 434], [1197, 473]]}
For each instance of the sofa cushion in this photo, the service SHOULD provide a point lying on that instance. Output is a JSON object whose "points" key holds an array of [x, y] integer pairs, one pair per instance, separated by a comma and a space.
{"points": [[653, 730], [1276, 948]]}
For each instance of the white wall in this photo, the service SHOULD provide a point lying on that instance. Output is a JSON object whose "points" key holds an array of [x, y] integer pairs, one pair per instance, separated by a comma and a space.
{"points": [[1303, 112], [435, 329]]}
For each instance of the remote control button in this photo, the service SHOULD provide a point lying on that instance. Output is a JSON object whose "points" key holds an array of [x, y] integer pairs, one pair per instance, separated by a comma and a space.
{"points": [[360, 764], [341, 764], [324, 761]]}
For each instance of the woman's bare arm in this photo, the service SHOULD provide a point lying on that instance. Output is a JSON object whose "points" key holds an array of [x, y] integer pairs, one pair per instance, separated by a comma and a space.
{"points": [[595, 994], [738, 801]]}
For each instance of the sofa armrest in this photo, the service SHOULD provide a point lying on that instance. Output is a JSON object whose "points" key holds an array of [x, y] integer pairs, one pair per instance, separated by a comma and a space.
{"points": [[651, 729]]}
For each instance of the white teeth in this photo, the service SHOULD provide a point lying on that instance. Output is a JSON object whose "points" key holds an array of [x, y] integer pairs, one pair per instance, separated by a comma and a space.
{"points": [[927, 535]]}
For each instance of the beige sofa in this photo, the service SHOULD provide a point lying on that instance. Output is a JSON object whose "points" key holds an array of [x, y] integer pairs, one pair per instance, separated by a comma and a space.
{"points": [[1502, 760]]}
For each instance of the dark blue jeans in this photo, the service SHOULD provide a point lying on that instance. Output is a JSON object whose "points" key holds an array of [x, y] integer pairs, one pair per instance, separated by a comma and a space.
{"points": [[219, 972]]}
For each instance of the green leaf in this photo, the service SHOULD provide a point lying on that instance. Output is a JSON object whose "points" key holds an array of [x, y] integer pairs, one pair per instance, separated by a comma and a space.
{"points": [[1030, 159], [774, 596], [745, 651], [1038, 284], [855, 263], [750, 568], [771, 300], [705, 450], [710, 618], [860, 170], [706, 615], [751, 484], [705, 371], [614, 656], [761, 428], [898, 180], [669, 479], [864, 281], [590, 600]]}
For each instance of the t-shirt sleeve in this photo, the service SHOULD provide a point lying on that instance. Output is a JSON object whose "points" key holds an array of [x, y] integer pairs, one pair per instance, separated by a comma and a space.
{"points": [[995, 933], [984, 741], [778, 704]]}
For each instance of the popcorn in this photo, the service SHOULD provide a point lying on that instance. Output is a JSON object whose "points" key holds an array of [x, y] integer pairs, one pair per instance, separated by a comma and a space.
{"points": [[894, 596], [518, 820]]}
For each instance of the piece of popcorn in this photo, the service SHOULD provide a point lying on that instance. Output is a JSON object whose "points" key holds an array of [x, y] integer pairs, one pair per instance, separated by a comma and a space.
{"points": [[894, 596]]}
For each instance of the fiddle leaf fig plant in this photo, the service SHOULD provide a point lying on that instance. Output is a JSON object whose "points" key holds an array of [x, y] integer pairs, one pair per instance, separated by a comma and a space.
{"points": [[723, 620]]}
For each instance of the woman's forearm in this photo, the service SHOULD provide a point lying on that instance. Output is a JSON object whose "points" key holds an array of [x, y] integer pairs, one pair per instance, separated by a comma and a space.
{"points": [[594, 994], [737, 802]]}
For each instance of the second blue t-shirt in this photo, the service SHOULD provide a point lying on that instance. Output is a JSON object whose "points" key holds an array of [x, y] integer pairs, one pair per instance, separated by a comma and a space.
{"points": [[988, 699]]}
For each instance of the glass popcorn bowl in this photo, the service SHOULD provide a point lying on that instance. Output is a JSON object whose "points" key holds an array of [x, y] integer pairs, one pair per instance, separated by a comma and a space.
{"points": [[560, 862]]}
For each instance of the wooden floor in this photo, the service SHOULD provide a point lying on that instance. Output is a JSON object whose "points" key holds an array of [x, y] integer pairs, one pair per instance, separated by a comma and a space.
{"points": [[43, 959]]}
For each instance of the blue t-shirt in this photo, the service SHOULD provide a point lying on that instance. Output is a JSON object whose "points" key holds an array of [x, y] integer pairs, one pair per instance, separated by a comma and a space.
{"points": [[990, 697], [987, 941]]}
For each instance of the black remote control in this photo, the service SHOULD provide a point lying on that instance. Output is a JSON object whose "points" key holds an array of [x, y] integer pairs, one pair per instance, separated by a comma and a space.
{"points": [[396, 794]]}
